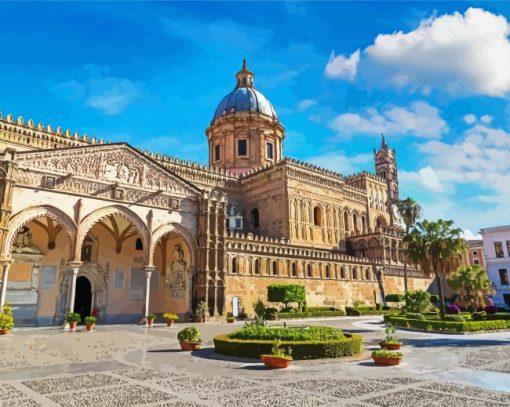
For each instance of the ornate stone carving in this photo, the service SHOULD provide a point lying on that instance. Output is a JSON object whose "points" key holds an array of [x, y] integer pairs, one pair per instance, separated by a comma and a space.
{"points": [[175, 278]]}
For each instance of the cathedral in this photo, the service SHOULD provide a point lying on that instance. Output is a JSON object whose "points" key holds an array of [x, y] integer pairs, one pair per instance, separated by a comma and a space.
{"points": [[105, 229]]}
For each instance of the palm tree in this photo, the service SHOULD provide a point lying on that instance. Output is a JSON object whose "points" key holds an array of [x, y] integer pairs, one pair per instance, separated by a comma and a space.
{"points": [[410, 212], [472, 286], [437, 247]]}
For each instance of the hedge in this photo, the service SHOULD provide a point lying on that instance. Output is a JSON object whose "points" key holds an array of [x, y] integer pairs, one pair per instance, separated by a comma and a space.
{"points": [[394, 298], [358, 311], [351, 344], [310, 314], [448, 326]]}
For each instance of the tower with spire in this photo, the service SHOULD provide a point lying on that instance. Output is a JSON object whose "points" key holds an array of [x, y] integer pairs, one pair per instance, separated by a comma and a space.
{"points": [[386, 167], [245, 132]]}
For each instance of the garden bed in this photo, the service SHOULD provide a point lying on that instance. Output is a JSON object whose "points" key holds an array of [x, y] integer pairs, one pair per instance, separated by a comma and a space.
{"points": [[305, 343], [361, 311], [311, 314], [434, 324]]}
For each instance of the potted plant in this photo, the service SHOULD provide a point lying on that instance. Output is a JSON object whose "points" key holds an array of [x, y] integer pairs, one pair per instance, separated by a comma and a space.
{"points": [[231, 320], [6, 320], [386, 357], [201, 311], [90, 323], [278, 358], [390, 342], [170, 318], [150, 319], [189, 338], [273, 316], [73, 318]]}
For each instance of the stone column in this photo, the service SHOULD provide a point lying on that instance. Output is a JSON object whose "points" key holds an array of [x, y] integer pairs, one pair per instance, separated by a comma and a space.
{"points": [[5, 277], [75, 268], [148, 274]]}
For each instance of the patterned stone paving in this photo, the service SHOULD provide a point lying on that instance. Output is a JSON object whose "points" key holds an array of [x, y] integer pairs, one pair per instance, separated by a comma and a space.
{"points": [[172, 388]]}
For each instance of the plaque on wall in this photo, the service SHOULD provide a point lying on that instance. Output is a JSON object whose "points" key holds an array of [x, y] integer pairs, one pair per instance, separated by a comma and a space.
{"points": [[119, 279], [49, 275]]}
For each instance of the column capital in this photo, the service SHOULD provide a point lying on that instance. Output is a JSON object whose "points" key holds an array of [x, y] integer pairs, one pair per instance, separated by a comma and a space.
{"points": [[149, 269], [75, 264]]}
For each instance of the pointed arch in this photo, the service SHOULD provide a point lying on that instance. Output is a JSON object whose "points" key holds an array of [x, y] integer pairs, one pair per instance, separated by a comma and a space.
{"points": [[163, 230]]}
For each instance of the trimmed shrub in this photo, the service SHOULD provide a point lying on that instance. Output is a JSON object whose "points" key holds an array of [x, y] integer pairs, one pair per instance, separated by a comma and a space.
{"points": [[394, 298], [478, 316], [498, 316], [490, 309], [312, 333], [415, 315], [286, 293], [434, 299], [349, 345], [454, 318], [312, 314], [190, 334], [418, 301], [453, 309], [448, 326]]}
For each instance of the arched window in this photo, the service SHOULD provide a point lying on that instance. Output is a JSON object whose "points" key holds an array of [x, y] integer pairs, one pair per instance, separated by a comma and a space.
{"points": [[346, 221], [317, 216], [328, 272], [355, 222], [309, 271], [234, 265], [138, 244], [294, 270], [248, 266], [367, 274], [255, 218], [275, 268], [257, 266], [354, 273], [342, 272], [363, 224]]}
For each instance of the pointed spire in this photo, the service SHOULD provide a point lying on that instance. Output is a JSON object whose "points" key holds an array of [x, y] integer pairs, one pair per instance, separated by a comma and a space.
{"points": [[244, 77], [384, 145]]}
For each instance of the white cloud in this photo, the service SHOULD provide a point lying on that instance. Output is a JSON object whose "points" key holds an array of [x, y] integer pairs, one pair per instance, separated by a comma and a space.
{"points": [[461, 53], [342, 67], [306, 104], [470, 118], [487, 119], [418, 119], [96, 89], [426, 177], [338, 161], [469, 235]]}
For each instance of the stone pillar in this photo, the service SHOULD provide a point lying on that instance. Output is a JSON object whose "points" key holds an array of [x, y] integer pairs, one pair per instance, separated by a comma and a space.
{"points": [[5, 277], [148, 274], [75, 268]]}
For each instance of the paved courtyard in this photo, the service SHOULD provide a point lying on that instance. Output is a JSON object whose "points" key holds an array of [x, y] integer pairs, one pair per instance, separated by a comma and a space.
{"points": [[133, 365]]}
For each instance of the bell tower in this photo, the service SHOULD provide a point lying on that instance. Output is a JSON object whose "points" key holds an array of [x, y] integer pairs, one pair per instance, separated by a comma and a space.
{"points": [[245, 132], [386, 167]]}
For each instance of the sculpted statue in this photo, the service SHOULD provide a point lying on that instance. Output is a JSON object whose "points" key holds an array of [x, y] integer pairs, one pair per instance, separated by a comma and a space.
{"points": [[23, 238], [176, 278]]}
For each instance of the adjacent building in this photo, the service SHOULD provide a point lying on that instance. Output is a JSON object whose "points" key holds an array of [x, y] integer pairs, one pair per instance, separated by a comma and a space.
{"points": [[496, 245], [105, 229], [474, 255]]}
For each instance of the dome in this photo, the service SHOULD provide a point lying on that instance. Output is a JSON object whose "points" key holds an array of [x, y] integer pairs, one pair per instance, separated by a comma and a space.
{"points": [[245, 98]]}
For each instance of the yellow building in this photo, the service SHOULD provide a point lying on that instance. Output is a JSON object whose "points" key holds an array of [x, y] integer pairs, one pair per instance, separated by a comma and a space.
{"points": [[104, 229]]}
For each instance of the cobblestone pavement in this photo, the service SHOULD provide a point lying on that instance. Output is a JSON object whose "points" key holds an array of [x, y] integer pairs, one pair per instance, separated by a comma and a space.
{"points": [[133, 365]]}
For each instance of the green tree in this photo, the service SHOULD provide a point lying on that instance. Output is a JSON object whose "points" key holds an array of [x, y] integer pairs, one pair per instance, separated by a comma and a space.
{"points": [[418, 301], [471, 285], [286, 293], [438, 248], [410, 212]]}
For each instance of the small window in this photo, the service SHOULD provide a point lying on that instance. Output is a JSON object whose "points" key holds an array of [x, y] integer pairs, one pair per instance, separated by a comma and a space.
{"points": [[317, 216], [503, 276], [342, 272], [255, 218], [354, 273], [217, 155], [294, 270], [257, 266], [309, 271], [139, 244], [474, 252], [275, 268], [476, 262], [269, 151], [367, 275], [242, 148], [238, 223], [234, 265], [328, 272], [498, 246]]}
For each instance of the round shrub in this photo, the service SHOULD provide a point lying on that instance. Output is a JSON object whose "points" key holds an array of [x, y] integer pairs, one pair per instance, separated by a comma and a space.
{"points": [[415, 315], [491, 309], [190, 334], [453, 309], [348, 345], [312, 333]]}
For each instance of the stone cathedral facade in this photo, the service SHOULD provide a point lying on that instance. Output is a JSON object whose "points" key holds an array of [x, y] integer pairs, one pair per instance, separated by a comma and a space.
{"points": [[105, 229]]}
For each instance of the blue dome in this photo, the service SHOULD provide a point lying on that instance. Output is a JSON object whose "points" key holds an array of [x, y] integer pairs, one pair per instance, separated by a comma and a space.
{"points": [[245, 99]]}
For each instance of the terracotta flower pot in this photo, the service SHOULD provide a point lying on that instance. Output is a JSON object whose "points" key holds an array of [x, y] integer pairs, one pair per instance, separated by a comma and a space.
{"points": [[90, 327], [390, 346], [4, 331], [230, 321], [275, 362], [387, 361], [150, 322], [169, 322], [72, 325], [190, 346], [272, 317]]}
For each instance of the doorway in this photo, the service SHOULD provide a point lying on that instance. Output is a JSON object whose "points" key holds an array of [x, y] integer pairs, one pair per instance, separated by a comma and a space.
{"points": [[83, 298]]}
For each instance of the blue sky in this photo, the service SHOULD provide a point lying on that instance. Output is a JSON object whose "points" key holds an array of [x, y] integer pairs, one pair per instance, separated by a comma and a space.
{"points": [[433, 77]]}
